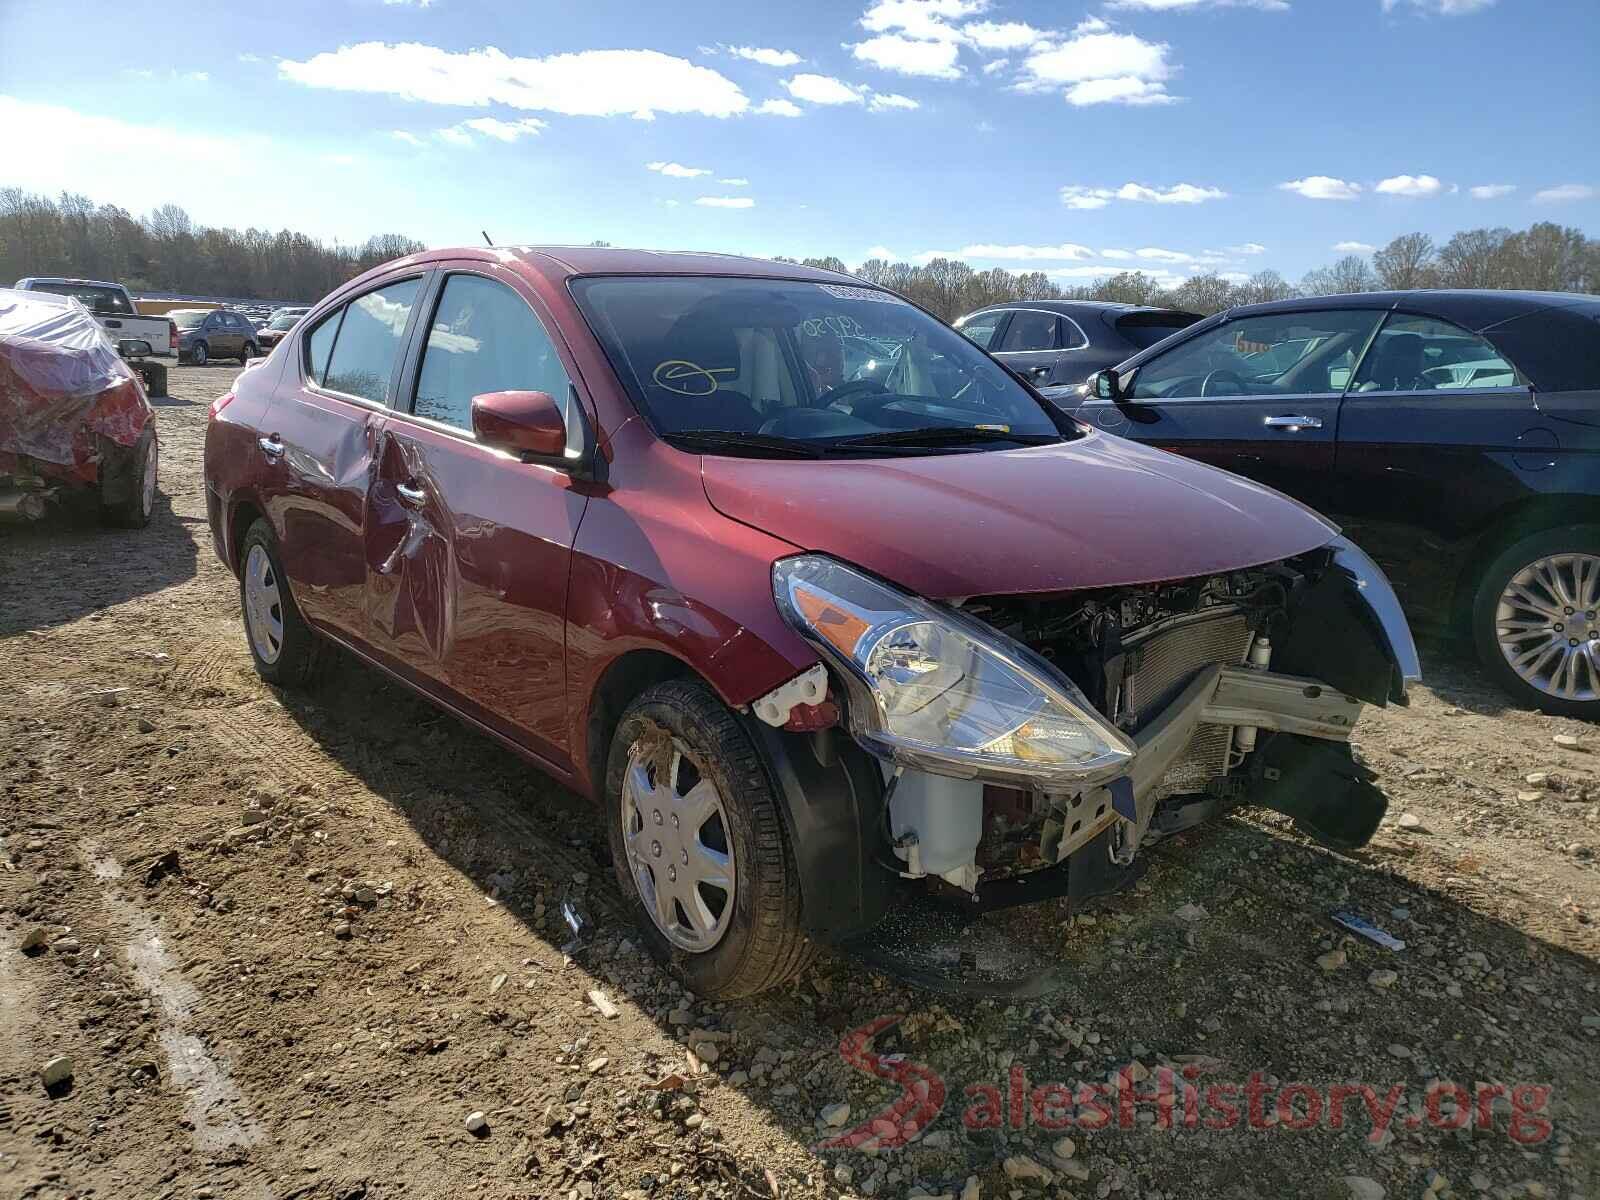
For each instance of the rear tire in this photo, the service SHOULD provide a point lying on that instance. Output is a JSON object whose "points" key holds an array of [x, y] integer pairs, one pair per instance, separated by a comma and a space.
{"points": [[286, 650], [760, 944], [1517, 603], [197, 354], [249, 352], [128, 479]]}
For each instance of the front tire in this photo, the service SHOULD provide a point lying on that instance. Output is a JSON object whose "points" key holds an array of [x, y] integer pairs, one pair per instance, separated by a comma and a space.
{"points": [[699, 845], [1536, 620], [197, 354], [285, 650]]}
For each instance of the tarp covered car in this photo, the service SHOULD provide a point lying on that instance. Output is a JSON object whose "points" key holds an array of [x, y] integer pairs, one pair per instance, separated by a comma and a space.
{"points": [[74, 418]]}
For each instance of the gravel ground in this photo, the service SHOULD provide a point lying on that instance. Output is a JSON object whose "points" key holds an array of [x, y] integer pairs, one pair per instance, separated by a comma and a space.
{"points": [[312, 946]]}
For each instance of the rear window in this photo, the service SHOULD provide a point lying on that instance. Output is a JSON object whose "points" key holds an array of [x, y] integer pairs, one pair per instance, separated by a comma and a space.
{"points": [[96, 299], [1145, 329]]}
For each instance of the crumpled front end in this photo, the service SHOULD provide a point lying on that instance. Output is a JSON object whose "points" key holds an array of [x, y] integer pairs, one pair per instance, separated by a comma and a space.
{"points": [[66, 396], [1163, 705]]}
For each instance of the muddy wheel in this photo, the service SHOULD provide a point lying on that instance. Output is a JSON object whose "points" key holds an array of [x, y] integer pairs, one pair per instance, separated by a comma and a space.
{"points": [[699, 846], [249, 352], [285, 649], [128, 483], [197, 354], [1536, 620]]}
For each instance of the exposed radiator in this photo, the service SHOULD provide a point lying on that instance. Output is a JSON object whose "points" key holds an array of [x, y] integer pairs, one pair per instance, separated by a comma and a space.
{"points": [[1160, 665]]}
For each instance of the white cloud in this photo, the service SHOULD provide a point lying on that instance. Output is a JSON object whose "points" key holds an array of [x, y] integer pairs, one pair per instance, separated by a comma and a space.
{"points": [[1066, 250], [1566, 192], [928, 19], [882, 252], [1353, 248], [455, 135], [1443, 8], [1492, 191], [1157, 254], [1189, 5], [1079, 197], [249, 57], [1409, 185], [506, 131], [766, 57], [1097, 66], [1322, 187], [410, 139], [1002, 35], [676, 170], [822, 89], [995, 64], [778, 108], [407, 3], [735, 182], [1249, 248], [725, 202], [1116, 255], [909, 56], [882, 101], [590, 83]]}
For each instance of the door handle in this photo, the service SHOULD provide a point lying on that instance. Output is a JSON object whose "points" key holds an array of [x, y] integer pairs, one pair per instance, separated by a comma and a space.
{"points": [[271, 447], [413, 496], [1293, 422]]}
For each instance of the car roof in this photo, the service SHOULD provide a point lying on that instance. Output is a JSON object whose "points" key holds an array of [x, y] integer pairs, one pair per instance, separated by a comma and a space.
{"points": [[69, 279], [558, 263], [1472, 309]]}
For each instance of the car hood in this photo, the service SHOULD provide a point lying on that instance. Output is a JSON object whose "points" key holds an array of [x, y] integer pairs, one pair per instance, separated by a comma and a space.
{"points": [[1096, 512]]}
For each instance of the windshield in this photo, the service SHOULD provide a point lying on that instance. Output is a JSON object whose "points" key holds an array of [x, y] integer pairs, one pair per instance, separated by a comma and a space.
{"points": [[95, 299], [812, 364], [189, 318], [284, 322]]}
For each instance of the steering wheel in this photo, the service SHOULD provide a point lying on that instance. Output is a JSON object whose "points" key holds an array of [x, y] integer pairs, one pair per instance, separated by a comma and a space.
{"points": [[1224, 375], [850, 388]]}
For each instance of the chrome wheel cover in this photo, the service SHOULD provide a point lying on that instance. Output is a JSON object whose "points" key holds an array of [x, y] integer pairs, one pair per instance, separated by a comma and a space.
{"points": [[1547, 625], [263, 606], [679, 850]]}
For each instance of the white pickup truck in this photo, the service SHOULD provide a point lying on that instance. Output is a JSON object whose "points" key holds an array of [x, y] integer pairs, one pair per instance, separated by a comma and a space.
{"points": [[113, 308]]}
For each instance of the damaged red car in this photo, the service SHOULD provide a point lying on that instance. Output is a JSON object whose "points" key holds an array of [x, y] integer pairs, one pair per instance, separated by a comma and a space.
{"points": [[75, 423], [827, 611]]}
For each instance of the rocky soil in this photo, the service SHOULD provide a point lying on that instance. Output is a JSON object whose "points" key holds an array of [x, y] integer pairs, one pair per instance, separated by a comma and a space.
{"points": [[264, 945]]}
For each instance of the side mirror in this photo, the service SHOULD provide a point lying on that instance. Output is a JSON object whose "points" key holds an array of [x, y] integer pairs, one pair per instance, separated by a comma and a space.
{"points": [[134, 348], [1105, 385], [522, 423]]}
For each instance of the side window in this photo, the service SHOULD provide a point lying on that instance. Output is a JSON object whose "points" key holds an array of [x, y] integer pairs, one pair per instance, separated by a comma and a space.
{"points": [[980, 329], [369, 342], [318, 342], [1421, 354], [1030, 330], [1282, 354], [484, 338], [1071, 336]]}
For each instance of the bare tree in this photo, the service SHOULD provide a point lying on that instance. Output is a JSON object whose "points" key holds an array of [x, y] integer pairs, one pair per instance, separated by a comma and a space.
{"points": [[1350, 274], [1407, 262]]}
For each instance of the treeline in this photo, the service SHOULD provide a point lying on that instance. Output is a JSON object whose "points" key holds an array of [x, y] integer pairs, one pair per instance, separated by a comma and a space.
{"points": [[1543, 257], [165, 251]]}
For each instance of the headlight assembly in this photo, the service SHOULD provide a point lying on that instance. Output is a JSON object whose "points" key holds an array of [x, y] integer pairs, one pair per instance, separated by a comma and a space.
{"points": [[936, 690]]}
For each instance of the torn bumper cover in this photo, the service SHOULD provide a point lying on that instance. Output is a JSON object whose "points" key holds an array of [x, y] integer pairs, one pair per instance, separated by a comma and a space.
{"points": [[65, 393]]}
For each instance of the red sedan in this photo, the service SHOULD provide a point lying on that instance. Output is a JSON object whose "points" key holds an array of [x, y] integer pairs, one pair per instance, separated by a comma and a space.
{"points": [[824, 607]]}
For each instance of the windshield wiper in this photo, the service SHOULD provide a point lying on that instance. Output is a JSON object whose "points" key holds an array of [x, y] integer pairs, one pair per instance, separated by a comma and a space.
{"points": [[716, 441], [944, 435]]}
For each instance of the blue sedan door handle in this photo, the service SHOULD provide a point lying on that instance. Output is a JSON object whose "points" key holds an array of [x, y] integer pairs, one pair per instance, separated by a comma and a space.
{"points": [[1293, 422]]}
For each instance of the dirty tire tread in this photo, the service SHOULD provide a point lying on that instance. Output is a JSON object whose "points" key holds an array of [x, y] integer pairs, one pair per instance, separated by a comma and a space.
{"points": [[305, 655], [1579, 538], [775, 949], [122, 486]]}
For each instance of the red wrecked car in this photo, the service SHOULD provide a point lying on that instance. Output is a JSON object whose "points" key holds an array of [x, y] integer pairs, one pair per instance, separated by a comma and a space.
{"points": [[74, 418]]}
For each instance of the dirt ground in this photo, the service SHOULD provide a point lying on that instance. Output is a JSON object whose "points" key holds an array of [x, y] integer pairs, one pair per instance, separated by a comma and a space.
{"points": [[290, 943]]}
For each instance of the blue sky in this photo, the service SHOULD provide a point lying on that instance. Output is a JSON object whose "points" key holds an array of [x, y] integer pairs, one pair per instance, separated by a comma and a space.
{"points": [[1169, 135]]}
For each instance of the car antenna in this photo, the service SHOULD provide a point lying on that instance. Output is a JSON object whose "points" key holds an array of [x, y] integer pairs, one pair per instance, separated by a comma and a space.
{"points": [[487, 240]]}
